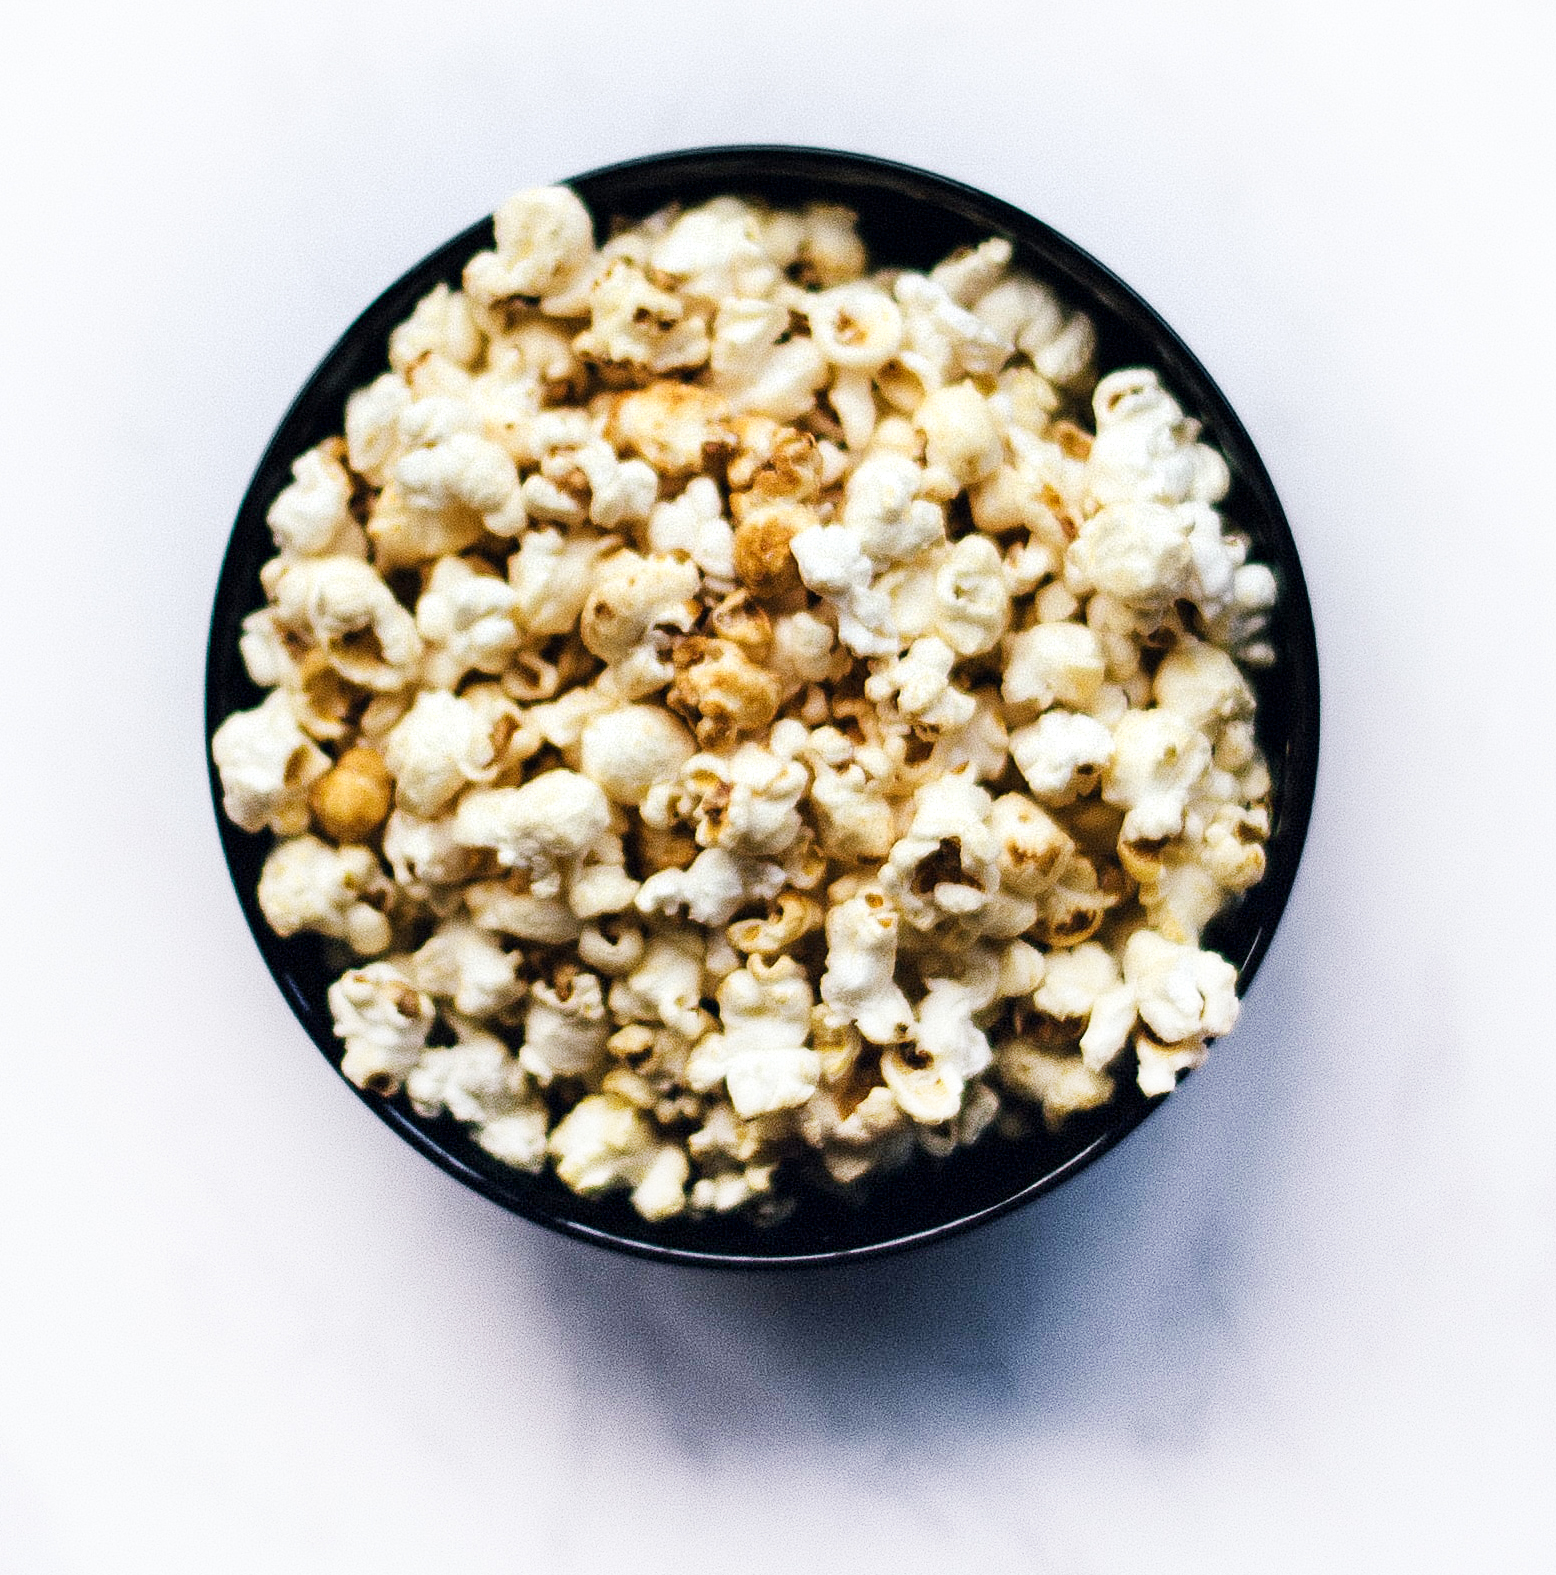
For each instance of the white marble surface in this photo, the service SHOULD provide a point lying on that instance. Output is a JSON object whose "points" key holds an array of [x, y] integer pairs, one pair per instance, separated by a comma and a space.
{"points": [[1304, 1320]]}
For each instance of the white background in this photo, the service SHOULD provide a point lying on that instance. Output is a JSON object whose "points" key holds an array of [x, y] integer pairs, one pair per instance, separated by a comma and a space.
{"points": [[1304, 1320]]}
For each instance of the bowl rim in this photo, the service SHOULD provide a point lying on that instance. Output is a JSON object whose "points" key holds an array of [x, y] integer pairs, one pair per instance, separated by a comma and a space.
{"points": [[1089, 278]]}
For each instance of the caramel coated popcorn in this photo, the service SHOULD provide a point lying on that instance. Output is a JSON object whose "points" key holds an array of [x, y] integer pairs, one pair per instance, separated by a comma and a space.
{"points": [[731, 703]]}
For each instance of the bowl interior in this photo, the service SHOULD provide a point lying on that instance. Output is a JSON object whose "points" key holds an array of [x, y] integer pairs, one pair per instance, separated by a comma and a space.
{"points": [[907, 218]]}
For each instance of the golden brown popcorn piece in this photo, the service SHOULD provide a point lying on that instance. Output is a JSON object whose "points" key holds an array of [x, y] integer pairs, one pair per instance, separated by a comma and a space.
{"points": [[720, 690], [351, 800], [677, 427], [763, 561]]}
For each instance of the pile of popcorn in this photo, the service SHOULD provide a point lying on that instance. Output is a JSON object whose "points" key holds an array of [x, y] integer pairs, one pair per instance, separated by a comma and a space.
{"points": [[731, 703]]}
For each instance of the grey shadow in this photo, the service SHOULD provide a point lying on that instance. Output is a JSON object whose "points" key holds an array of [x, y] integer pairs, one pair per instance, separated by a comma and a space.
{"points": [[1114, 1301]]}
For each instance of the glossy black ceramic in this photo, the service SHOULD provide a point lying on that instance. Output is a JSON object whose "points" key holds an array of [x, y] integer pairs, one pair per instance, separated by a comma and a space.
{"points": [[908, 218]]}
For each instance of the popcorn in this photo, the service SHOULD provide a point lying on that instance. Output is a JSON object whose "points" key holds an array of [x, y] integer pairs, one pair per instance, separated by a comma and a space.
{"points": [[776, 711], [631, 749], [1054, 664], [762, 1055], [440, 746], [1158, 760], [307, 885], [960, 436], [267, 766], [833, 564], [565, 1028], [694, 524], [343, 607], [465, 619], [545, 239], [855, 326], [312, 517], [883, 509], [920, 680], [466, 967], [543, 828], [383, 1022], [351, 800], [1061, 755], [475, 1081], [948, 863], [858, 985]]}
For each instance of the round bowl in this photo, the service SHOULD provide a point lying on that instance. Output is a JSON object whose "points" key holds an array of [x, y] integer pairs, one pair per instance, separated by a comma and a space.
{"points": [[909, 218]]}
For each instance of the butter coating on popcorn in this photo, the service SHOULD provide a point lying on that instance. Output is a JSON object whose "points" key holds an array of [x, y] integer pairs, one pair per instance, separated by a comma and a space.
{"points": [[757, 708]]}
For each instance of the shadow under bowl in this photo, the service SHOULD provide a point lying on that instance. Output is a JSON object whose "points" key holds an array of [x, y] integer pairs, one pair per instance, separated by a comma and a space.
{"points": [[907, 218]]}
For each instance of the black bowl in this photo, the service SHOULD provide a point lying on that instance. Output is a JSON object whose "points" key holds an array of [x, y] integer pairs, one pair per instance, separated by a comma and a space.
{"points": [[908, 218]]}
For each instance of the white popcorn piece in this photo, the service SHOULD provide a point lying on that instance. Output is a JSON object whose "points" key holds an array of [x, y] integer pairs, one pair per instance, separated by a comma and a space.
{"points": [[920, 683], [926, 1091], [747, 801], [745, 330], [267, 765], [441, 325], [602, 1144], [715, 251], [551, 577], [373, 441], [694, 523], [960, 435], [306, 884], [661, 1192], [1137, 552], [465, 966], [424, 855], [312, 516], [948, 863], [1183, 993], [544, 828], [1075, 980], [439, 747], [1054, 664], [466, 622], [945, 1030], [855, 326], [1145, 448], [565, 1028], [666, 987], [636, 325], [859, 984], [633, 748], [1061, 755], [510, 908], [1202, 684], [711, 888], [383, 1021], [1161, 1065], [969, 274], [476, 1080], [1158, 760], [463, 470], [632, 597], [346, 610], [834, 566], [762, 1054], [971, 606], [883, 509], [544, 241], [949, 340], [1033, 847], [784, 383], [1062, 1084], [854, 820]]}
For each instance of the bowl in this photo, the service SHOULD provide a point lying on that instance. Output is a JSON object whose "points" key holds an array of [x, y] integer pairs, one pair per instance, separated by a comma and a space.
{"points": [[911, 218]]}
